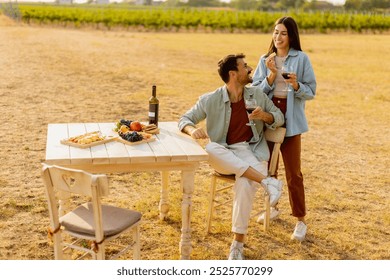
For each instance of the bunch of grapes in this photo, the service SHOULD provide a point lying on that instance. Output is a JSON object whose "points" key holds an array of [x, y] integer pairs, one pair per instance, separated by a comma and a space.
{"points": [[125, 122], [132, 137], [122, 122]]}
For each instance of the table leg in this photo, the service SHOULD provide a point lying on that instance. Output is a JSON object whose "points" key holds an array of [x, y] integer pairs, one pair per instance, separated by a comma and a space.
{"points": [[164, 204], [187, 181]]}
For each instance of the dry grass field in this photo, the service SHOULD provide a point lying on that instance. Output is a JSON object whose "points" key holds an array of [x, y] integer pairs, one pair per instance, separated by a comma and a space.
{"points": [[51, 75]]}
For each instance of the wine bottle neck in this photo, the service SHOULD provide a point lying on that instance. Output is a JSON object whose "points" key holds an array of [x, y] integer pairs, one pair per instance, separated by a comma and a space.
{"points": [[154, 91]]}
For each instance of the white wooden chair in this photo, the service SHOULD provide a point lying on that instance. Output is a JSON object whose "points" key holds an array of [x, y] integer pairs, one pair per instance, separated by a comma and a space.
{"points": [[276, 136], [90, 223]]}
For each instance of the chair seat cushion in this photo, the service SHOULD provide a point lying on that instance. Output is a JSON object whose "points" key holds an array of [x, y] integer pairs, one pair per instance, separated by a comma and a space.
{"points": [[231, 177], [115, 220]]}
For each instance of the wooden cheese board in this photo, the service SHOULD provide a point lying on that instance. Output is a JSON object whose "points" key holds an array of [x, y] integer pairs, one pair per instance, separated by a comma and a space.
{"points": [[73, 141]]}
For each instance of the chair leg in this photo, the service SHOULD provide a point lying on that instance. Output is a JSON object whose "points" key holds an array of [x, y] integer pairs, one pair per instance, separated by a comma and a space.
{"points": [[267, 214], [211, 204], [137, 244], [100, 255], [57, 241]]}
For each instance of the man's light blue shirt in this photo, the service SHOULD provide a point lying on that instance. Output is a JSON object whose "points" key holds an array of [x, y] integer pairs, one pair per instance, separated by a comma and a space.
{"points": [[215, 108]]}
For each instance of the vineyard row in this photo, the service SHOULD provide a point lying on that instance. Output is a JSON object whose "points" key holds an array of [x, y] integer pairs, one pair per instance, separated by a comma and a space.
{"points": [[176, 19]]}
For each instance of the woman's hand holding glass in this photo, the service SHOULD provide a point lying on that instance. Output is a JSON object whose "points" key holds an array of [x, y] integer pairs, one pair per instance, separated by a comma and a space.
{"points": [[289, 76]]}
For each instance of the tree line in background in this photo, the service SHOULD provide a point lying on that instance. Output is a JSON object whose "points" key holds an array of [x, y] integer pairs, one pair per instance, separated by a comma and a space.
{"points": [[277, 5]]}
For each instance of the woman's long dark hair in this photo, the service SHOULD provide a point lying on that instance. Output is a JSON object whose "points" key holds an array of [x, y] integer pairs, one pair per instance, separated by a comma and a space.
{"points": [[293, 34]]}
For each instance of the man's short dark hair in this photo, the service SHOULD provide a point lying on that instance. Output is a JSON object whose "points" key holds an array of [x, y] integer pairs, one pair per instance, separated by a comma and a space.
{"points": [[228, 63]]}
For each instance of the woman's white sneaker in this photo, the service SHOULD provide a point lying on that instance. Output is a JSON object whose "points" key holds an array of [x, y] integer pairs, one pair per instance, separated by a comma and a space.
{"points": [[299, 231], [273, 215], [274, 189]]}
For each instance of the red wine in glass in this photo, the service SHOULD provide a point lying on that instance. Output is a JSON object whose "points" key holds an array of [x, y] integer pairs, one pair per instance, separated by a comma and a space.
{"points": [[286, 71], [285, 75], [250, 106], [250, 110]]}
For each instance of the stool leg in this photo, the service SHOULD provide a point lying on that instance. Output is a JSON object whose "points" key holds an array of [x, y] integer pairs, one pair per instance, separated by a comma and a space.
{"points": [[267, 213]]}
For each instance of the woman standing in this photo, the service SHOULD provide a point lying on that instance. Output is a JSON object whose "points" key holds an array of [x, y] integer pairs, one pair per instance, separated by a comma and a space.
{"points": [[289, 94]]}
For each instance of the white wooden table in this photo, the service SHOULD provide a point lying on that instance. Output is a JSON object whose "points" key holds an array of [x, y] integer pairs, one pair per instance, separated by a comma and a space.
{"points": [[172, 150]]}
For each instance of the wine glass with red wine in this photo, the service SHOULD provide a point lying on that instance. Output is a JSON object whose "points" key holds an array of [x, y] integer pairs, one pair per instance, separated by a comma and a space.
{"points": [[286, 71], [250, 106]]}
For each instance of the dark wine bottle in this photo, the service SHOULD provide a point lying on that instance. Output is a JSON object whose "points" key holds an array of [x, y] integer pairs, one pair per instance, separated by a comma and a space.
{"points": [[153, 107]]}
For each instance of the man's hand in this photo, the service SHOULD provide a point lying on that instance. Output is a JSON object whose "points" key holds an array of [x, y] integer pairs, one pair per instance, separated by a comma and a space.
{"points": [[199, 133], [196, 133], [259, 114]]}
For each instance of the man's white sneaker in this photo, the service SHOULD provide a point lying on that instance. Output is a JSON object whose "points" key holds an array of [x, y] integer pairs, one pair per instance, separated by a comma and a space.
{"points": [[236, 253], [299, 231], [274, 189], [273, 215]]}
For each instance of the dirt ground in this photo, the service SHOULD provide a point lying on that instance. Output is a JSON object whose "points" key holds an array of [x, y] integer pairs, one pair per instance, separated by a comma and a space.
{"points": [[50, 75]]}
